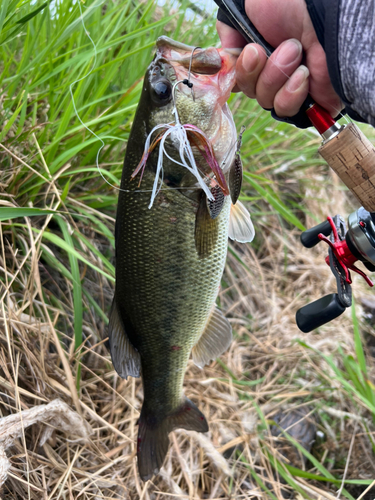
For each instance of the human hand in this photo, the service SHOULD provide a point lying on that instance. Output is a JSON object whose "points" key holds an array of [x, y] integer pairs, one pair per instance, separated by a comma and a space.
{"points": [[282, 82]]}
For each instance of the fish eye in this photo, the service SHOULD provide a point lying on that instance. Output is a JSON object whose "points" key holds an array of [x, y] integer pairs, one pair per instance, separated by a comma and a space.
{"points": [[161, 92]]}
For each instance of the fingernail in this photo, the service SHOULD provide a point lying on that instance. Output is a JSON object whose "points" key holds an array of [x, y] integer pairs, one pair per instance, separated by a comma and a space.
{"points": [[289, 52], [250, 59], [297, 79]]}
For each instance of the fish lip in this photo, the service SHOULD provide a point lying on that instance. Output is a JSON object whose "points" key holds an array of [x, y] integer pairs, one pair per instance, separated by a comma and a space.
{"points": [[218, 78], [169, 42], [205, 61]]}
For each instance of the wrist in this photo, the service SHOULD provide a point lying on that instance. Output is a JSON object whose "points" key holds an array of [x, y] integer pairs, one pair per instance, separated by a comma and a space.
{"points": [[324, 15]]}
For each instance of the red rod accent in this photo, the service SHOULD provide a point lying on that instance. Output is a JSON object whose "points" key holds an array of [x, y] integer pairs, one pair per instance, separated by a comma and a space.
{"points": [[343, 254], [320, 118]]}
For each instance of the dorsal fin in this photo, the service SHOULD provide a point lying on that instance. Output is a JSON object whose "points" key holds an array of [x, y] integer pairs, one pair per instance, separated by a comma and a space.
{"points": [[235, 172], [235, 178], [215, 206]]}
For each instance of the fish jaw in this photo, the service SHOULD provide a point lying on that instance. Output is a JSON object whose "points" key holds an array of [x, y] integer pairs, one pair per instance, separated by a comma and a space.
{"points": [[210, 67], [213, 76]]}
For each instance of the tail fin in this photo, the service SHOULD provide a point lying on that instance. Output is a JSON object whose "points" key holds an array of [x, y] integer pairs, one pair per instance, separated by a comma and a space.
{"points": [[153, 438]]}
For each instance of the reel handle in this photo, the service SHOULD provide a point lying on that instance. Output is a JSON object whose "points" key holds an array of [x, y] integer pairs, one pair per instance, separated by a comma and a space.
{"points": [[319, 312], [309, 238]]}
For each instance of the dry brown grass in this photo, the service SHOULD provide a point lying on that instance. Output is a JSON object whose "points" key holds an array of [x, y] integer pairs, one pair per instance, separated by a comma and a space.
{"points": [[38, 365]]}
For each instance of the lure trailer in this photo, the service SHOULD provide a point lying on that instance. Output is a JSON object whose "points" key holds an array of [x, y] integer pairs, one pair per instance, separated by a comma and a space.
{"points": [[352, 156]]}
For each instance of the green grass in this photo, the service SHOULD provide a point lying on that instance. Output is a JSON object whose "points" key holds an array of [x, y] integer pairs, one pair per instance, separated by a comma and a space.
{"points": [[49, 173], [353, 376], [45, 50]]}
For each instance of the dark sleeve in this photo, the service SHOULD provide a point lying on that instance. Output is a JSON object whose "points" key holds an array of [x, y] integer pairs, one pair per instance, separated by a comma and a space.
{"points": [[346, 30]]}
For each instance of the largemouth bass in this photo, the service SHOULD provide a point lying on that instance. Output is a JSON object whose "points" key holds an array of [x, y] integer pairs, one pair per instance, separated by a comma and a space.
{"points": [[171, 237]]}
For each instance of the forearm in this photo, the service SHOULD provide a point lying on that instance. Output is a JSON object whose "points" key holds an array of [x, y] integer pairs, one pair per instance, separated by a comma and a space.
{"points": [[346, 30]]}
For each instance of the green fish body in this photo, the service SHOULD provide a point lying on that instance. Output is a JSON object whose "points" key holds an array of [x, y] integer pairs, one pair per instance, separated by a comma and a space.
{"points": [[169, 260]]}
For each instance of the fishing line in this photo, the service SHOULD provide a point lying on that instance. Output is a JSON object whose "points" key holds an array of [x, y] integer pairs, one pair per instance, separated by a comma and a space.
{"points": [[76, 111], [159, 176], [179, 131], [79, 80]]}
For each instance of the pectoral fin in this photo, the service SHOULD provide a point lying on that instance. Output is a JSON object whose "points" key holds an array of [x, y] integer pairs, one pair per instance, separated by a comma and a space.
{"points": [[126, 360], [241, 228], [206, 229], [215, 339]]}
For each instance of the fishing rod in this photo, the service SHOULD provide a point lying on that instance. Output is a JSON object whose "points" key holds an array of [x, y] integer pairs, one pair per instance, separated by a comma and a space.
{"points": [[352, 156]]}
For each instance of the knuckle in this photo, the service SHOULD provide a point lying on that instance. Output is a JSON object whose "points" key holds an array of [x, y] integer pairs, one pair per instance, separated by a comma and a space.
{"points": [[285, 105], [267, 81], [248, 90], [265, 103]]}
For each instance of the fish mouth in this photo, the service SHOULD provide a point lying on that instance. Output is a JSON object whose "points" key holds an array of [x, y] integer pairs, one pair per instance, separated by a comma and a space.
{"points": [[211, 73], [202, 61], [207, 68]]}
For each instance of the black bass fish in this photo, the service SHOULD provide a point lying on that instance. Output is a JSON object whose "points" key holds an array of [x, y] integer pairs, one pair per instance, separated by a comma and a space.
{"points": [[172, 225]]}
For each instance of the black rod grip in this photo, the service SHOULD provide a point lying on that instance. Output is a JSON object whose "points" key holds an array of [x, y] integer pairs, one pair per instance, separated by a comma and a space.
{"points": [[239, 20], [319, 312], [309, 238]]}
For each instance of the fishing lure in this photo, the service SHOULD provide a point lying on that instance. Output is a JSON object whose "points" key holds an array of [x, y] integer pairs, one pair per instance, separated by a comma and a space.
{"points": [[183, 135]]}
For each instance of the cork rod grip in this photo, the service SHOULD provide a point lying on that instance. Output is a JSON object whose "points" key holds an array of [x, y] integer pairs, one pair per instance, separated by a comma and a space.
{"points": [[352, 156]]}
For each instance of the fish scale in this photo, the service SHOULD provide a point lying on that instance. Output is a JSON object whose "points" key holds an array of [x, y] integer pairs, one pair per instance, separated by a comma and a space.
{"points": [[176, 289]]}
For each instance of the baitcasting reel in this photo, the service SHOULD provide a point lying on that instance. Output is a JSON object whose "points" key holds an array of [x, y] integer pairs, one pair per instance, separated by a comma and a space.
{"points": [[345, 248]]}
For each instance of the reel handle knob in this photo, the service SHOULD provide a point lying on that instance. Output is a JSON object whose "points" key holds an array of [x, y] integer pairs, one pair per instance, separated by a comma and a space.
{"points": [[319, 312], [309, 238]]}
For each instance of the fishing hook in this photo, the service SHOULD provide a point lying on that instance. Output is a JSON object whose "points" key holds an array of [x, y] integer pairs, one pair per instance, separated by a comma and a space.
{"points": [[174, 111], [187, 82]]}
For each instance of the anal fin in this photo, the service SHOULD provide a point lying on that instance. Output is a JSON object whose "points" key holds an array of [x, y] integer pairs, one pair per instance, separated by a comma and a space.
{"points": [[215, 339], [125, 358], [153, 441], [241, 228]]}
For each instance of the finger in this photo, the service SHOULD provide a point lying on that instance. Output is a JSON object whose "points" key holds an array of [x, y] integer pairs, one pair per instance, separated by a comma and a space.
{"points": [[282, 63], [229, 37], [291, 96], [330, 101], [249, 65], [321, 89]]}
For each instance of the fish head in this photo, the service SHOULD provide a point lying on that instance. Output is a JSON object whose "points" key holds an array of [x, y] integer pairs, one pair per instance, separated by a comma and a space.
{"points": [[212, 75]]}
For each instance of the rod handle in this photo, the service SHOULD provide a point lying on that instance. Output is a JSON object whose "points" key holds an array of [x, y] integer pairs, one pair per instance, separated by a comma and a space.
{"points": [[352, 156]]}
